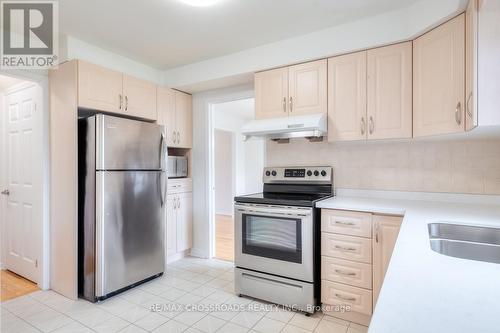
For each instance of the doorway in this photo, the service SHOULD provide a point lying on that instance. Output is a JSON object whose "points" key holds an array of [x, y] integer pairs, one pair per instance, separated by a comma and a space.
{"points": [[237, 169], [21, 185]]}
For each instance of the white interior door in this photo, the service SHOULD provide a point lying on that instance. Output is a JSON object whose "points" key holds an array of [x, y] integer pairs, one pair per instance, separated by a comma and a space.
{"points": [[23, 216]]}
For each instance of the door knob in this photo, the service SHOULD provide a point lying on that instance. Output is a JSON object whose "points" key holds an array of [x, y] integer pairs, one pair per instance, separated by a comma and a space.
{"points": [[5, 192]]}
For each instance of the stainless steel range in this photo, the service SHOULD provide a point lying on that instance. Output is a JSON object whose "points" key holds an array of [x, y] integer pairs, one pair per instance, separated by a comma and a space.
{"points": [[277, 237]]}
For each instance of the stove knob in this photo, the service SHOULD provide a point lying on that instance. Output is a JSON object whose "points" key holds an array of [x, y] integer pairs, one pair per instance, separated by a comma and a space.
{"points": [[273, 173], [309, 173], [323, 173], [316, 173], [268, 173]]}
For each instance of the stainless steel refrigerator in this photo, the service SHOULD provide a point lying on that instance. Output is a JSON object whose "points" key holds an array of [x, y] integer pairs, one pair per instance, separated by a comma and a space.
{"points": [[122, 187]]}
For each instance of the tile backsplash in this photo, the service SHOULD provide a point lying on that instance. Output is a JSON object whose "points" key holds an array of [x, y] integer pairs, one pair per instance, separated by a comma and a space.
{"points": [[466, 166]]}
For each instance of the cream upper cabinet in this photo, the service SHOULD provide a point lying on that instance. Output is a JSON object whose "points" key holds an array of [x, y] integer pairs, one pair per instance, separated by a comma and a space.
{"points": [[307, 88], [439, 79], [99, 88], [139, 98], [107, 90], [184, 221], [471, 30], [385, 233], [166, 113], [184, 119], [175, 112], [347, 97], [389, 92], [271, 93]]}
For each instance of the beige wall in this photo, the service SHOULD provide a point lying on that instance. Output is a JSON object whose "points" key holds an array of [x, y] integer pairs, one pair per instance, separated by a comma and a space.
{"points": [[471, 166]]}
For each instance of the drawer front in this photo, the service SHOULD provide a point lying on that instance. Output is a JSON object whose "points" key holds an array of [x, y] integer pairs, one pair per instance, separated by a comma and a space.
{"points": [[360, 300], [346, 247], [346, 222], [344, 271], [179, 185]]}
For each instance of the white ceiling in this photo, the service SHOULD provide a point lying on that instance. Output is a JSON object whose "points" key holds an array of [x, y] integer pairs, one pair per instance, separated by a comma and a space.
{"points": [[243, 108], [169, 33]]}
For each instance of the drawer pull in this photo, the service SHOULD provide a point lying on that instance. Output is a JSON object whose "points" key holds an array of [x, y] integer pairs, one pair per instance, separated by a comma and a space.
{"points": [[351, 299], [344, 223], [338, 271], [344, 248]]}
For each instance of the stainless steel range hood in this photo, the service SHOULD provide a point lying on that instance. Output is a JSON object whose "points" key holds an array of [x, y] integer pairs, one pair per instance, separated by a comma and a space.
{"points": [[313, 127]]}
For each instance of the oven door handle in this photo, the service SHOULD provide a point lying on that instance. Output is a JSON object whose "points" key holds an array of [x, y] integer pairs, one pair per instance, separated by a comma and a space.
{"points": [[275, 212]]}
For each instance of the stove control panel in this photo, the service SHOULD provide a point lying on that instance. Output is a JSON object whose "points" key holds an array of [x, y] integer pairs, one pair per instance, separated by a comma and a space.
{"points": [[321, 174]]}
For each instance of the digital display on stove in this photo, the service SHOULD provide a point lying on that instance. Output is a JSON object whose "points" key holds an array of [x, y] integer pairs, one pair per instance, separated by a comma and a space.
{"points": [[295, 173]]}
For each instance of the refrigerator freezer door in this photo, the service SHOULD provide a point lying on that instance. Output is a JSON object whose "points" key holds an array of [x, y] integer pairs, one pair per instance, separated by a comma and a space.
{"points": [[130, 231], [125, 144]]}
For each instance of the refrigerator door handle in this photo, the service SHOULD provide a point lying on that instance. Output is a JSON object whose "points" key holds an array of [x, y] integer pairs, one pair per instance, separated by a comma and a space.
{"points": [[162, 152], [163, 188]]}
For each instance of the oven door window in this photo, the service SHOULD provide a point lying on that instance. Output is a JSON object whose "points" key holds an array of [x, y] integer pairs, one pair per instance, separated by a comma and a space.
{"points": [[272, 237]]}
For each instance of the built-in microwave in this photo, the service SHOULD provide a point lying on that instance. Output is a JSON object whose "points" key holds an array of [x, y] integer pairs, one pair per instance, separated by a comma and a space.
{"points": [[177, 167]]}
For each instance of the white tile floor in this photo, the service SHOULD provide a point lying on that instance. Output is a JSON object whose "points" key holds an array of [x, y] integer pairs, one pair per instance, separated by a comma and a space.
{"points": [[189, 281]]}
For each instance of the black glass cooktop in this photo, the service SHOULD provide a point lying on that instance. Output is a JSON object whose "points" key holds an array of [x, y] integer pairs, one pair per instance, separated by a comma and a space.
{"points": [[288, 199]]}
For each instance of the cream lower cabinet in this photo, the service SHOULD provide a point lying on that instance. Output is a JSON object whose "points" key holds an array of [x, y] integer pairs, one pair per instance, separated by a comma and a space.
{"points": [[291, 91], [171, 216], [179, 218], [356, 248], [439, 79], [385, 233], [184, 221], [175, 112]]}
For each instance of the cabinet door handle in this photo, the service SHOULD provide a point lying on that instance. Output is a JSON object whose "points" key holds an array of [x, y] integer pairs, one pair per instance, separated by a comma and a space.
{"points": [[284, 104], [372, 125], [126, 103], [376, 232], [173, 136], [178, 137], [120, 97], [338, 271], [344, 248], [291, 103], [469, 111], [178, 202], [344, 223], [458, 114], [363, 126], [351, 299]]}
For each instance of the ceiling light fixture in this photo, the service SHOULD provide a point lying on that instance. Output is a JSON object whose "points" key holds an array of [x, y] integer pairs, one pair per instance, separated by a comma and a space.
{"points": [[200, 3]]}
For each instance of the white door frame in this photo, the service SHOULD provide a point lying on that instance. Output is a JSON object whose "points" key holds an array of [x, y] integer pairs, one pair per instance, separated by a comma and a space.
{"points": [[42, 125], [210, 169]]}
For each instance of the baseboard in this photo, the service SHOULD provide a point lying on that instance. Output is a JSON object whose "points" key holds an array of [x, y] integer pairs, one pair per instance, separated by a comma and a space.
{"points": [[355, 317], [198, 253]]}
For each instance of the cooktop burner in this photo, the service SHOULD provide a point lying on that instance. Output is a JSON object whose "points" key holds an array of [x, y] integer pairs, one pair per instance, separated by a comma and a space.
{"points": [[285, 199], [293, 186]]}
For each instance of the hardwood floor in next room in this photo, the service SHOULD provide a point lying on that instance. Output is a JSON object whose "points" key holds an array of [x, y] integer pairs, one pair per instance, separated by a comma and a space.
{"points": [[14, 285], [224, 237]]}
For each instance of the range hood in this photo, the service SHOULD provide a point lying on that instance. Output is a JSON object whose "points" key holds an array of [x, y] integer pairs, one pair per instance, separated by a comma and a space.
{"points": [[313, 127]]}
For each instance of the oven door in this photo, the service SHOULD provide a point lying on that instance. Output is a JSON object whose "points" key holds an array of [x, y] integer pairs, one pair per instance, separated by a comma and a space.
{"points": [[275, 239]]}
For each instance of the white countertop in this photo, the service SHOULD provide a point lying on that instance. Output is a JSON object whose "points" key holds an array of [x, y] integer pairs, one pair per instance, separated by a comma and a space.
{"points": [[425, 291]]}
